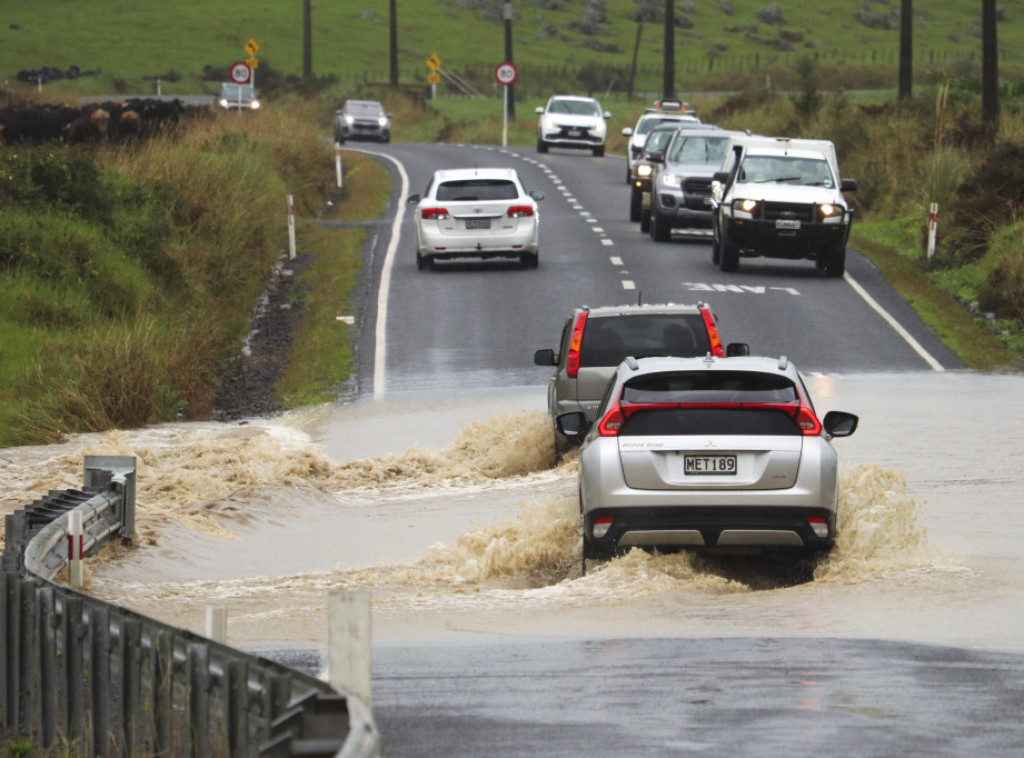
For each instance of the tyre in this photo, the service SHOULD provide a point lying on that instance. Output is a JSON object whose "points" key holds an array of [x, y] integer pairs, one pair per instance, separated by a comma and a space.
{"points": [[661, 228], [636, 204], [542, 146], [716, 248], [424, 262], [529, 260], [629, 174], [645, 222], [835, 264], [599, 152], [729, 253]]}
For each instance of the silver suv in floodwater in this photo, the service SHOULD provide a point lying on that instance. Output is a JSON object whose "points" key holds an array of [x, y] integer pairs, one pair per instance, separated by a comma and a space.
{"points": [[707, 454], [594, 342]]}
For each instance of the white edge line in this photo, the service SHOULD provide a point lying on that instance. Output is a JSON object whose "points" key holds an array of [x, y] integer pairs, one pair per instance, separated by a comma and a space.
{"points": [[380, 329], [894, 324]]}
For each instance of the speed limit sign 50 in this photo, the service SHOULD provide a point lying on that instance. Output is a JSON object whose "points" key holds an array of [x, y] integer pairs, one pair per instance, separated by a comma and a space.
{"points": [[240, 73], [505, 73]]}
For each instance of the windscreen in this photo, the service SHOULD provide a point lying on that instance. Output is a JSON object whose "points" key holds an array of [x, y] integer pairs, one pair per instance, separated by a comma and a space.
{"points": [[764, 169], [711, 387], [609, 339], [478, 189], [708, 151], [575, 107]]}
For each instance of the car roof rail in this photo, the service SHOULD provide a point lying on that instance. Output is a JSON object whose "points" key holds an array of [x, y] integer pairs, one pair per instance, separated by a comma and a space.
{"points": [[783, 363]]}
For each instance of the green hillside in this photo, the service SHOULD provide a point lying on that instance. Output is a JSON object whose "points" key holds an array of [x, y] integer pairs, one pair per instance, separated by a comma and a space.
{"points": [[133, 43]]}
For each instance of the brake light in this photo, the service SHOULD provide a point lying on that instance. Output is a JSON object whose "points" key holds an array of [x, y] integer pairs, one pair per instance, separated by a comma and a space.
{"points": [[807, 421], [573, 361], [602, 525], [819, 526], [612, 422], [716, 340], [438, 214], [519, 211]]}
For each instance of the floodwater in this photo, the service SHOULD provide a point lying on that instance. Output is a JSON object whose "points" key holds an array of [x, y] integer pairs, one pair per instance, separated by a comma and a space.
{"points": [[453, 515]]}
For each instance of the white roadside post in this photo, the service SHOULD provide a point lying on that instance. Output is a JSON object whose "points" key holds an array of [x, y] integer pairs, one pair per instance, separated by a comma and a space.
{"points": [[75, 539], [217, 623], [337, 163], [933, 222], [291, 229], [349, 643]]}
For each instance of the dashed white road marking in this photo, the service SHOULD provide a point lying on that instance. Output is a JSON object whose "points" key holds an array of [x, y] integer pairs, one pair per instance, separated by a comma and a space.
{"points": [[616, 260], [607, 242], [627, 284]]}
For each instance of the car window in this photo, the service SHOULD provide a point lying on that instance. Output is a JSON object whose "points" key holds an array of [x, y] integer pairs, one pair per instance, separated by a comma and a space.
{"points": [[706, 150], [234, 91], [575, 107], [478, 189], [658, 140], [364, 109], [733, 421], [710, 387], [770, 169], [607, 340]]}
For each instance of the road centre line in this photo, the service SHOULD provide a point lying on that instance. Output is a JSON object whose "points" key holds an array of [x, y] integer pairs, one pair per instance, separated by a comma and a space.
{"points": [[615, 260], [607, 242], [628, 284]]}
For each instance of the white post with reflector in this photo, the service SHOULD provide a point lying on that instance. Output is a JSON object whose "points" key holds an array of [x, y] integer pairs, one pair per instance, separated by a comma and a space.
{"points": [[217, 623], [76, 538], [933, 223], [337, 163], [291, 228]]}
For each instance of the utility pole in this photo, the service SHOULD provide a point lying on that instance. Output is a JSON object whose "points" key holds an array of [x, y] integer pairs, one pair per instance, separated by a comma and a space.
{"points": [[393, 42], [989, 65], [669, 78], [906, 76], [510, 95], [307, 41]]}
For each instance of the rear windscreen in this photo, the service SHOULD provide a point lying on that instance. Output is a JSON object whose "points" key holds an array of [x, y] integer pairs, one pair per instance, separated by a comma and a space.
{"points": [[478, 189], [709, 387], [609, 339]]}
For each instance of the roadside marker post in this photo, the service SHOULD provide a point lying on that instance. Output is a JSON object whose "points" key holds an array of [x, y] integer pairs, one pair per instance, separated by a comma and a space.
{"points": [[291, 229], [337, 163], [349, 643], [217, 623], [76, 538], [933, 223]]}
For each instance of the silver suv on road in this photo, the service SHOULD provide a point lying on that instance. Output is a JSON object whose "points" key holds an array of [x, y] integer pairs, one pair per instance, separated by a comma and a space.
{"points": [[594, 342]]}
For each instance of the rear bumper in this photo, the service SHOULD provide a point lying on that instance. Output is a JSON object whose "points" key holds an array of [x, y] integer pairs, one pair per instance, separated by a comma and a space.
{"points": [[450, 246]]}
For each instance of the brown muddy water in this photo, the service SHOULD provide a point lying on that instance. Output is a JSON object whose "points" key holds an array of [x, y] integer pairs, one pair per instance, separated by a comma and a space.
{"points": [[453, 515]]}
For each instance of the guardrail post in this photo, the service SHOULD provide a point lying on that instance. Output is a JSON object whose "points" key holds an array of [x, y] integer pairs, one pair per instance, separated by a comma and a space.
{"points": [[238, 709], [99, 678], [102, 471], [161, 690], [29, 663], [199, 699], [74, 688], [48, 665], [128, 643], [10, 645]]}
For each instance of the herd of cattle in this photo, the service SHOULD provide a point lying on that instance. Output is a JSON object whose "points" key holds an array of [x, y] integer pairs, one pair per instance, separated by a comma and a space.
{"points": [[110, 121]]}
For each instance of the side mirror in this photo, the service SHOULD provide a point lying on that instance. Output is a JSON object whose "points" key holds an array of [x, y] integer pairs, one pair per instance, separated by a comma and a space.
{"points": [[413, 199], [607, 114], [539, 110], [627, 132], [545, 358], [656, 156], [734, 349], [573, 425], [840, 423], [537, 195], [848, 185]]}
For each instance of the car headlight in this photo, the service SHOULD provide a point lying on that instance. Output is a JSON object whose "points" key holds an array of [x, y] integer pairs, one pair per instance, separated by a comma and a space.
{"points": [[382, 122], [223, 102], [644, 170], [350, 120], [744, 208], [254, 104], [669, 179], [830, 214]]}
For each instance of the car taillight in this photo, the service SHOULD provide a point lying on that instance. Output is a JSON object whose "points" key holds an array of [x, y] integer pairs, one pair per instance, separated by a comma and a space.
{"points": [[573, 361], [807, 421], [611, 423], [438, 214], [819, 526], [716, 340], [602, 525], [519, 211]]}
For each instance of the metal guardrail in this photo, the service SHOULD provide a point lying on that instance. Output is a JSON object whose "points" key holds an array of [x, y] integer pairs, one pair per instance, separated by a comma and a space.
{"points": [[107, 681]]}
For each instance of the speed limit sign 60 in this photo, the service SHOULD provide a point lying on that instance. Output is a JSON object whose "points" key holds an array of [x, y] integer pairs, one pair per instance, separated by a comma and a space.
{"points": [[505, 73], [240, 72]]}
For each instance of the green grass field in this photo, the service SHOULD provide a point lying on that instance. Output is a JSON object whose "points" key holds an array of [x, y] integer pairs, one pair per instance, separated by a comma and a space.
{"points": [[133, 43]]}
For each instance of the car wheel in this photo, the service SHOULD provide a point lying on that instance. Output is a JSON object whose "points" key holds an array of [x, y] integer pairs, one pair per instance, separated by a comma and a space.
{"points": [[599, 152], [529, 260], [645, 222], [629, 174], [424, 262], [542, 146], [835, 264], [636, 204], [716, 247], [729, 253], [661, 228]]}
